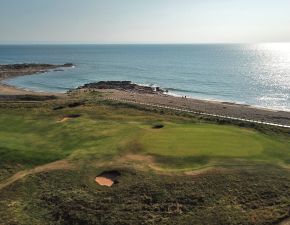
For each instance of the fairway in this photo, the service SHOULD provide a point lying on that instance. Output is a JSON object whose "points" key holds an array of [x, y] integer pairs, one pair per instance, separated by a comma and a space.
{"points": [[101, 133]]}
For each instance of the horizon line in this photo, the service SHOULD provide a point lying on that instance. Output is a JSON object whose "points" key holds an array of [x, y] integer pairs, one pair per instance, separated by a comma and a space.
{"points": [[133, 43]]}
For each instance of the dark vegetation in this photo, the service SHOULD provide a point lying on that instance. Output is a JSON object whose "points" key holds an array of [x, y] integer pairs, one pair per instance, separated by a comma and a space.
{"points": [[72, 116], [75, 104], [253, 196], [157, 126], [27, 97]]}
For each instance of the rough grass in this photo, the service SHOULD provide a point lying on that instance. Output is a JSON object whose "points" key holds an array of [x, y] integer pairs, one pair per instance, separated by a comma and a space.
{"points": [[253, 190], [253, 196]]}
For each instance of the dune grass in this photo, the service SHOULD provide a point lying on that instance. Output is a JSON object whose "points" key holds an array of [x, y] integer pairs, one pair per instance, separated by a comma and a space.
{"points": [[254, 196]]}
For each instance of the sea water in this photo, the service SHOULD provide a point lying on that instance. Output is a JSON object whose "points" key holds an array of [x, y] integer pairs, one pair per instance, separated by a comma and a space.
{"points": [[254, 74]]}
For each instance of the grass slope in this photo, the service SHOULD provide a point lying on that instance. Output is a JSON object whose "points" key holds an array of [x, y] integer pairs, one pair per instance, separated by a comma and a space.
{"points": [[248, 186]]}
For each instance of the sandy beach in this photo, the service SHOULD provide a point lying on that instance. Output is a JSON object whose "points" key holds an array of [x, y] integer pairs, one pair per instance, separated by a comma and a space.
{"points": [[14, 70], [11, 90], [7, 90]]}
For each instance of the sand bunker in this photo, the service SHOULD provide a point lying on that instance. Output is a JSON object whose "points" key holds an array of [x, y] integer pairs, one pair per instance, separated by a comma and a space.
{"points": [[70, 116], [157, 126], [107, 178]]}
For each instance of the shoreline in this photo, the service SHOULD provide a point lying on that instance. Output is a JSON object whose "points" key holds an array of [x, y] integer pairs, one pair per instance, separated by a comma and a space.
{"points": [[6, 89], [11, 71], [127, 91], [211, 107], [229, 103], [207, 106]]}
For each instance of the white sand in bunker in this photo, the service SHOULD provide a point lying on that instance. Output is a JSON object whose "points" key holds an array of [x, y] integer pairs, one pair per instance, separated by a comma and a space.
{"points": [[107, 178]]}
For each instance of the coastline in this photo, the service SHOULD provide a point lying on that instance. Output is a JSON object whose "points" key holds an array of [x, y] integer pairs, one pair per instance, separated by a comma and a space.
{"points": [[6, 89], [207, 106], [15, 70], [143, 94], [212, 107], [229, 103]]}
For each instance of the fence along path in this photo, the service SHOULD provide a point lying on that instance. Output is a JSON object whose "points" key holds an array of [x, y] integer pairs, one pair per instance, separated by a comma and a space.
{"points": [[199, 113]]}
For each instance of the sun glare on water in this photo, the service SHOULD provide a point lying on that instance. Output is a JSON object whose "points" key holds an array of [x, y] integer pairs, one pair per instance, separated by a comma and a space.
{"points": [[280, 47], [274, 66]]}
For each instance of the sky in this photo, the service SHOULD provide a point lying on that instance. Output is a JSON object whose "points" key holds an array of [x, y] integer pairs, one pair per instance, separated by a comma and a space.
{"points": [[144, 21]]}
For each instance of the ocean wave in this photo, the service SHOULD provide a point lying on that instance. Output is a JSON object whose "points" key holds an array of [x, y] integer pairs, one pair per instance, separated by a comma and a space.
{"points": [[185, 91], [274, 97], [146, 85]]}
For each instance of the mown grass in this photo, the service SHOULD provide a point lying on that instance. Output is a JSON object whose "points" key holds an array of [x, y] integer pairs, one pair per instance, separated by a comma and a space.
{"points": [[34, 136], [214, 141]]}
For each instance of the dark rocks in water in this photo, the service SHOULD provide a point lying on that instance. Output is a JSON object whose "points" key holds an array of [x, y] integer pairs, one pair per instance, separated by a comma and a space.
{"points": [[122, 85], [13, 70], [68, 65], [32, 66]]}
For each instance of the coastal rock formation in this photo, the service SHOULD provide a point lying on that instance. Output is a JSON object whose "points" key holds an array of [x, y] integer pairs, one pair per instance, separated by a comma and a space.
{"points": [[13, 70], [123, 86]]}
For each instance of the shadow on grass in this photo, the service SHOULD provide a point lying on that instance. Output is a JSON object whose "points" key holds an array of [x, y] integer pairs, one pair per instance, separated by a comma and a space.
{"points": [[181, 162]]}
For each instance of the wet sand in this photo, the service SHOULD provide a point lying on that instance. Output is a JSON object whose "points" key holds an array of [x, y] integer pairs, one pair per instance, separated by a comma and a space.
{"points": [[15, 70], [11, 90]]}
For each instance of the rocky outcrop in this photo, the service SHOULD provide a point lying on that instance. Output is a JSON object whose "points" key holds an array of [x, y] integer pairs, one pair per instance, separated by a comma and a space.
{"points": [[123, 86], [13, 70]]}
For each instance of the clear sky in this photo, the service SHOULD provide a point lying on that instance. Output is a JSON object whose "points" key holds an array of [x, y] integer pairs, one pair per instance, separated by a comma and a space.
{"points": [[144, 21]]}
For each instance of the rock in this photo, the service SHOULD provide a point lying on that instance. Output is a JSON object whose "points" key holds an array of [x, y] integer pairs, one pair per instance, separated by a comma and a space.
{"points": [[68, 65], [13, 70], [122, 85]]}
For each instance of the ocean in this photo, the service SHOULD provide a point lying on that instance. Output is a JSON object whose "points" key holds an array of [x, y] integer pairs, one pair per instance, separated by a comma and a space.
{"points": [[254, 74]]}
